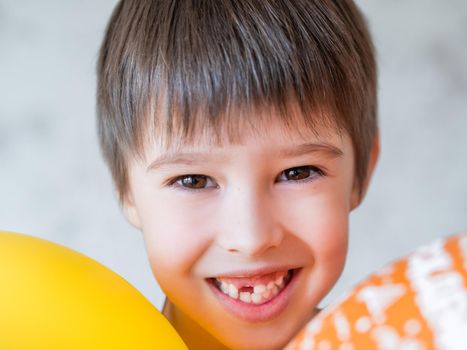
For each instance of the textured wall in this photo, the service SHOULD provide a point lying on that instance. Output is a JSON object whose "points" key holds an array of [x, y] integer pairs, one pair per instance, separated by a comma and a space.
{"points": [[53, 183]]}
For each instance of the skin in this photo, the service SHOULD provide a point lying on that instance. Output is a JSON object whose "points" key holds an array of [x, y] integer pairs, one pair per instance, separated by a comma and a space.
{"points": [[248, 212]]}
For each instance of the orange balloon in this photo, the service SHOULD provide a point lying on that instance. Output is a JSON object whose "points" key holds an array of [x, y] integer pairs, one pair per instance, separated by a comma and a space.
{"points": [[418, 302]]}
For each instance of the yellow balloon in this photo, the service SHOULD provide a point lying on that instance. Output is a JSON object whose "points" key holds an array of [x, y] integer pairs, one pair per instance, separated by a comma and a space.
{"points": [[52, 297]]}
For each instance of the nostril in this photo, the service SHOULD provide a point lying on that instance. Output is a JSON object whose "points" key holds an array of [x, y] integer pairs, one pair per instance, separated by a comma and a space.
{"points": [[232, 250]]}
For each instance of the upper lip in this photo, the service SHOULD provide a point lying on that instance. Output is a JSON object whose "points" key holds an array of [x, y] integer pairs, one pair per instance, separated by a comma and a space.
{"points": [[258, 271]]}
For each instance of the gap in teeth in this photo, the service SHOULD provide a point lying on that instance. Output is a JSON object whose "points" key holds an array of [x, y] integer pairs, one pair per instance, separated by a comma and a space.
{"points": [[246, 289], [257, 294]]}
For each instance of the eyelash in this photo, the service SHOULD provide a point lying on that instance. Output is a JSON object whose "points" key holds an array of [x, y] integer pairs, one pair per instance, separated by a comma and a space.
{"points": [[315, 172]]}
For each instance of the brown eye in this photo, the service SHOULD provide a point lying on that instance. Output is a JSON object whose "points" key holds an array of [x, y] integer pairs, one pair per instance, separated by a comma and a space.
{"points": [[297, 173], [193, 181], [300, 173]]}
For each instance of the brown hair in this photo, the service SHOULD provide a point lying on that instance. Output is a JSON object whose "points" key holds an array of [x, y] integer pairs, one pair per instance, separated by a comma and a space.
{"points": [[178, 67]]}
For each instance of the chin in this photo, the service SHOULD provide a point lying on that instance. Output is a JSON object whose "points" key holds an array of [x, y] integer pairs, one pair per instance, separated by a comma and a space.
{"points": [[269, 336], [257, 344]]}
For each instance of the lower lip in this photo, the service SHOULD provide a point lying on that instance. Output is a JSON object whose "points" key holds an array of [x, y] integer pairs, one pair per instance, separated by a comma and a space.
{"points": [[258, 312]]}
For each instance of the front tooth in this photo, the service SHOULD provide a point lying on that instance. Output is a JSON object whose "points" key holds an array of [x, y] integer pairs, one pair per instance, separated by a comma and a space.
{"points": [[245, 297], [259, 289], [233, 291], [224, 287], [256, 298]]}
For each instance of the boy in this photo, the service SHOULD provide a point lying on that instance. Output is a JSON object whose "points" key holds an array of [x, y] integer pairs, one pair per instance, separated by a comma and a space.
{"points": [[240, 134]]}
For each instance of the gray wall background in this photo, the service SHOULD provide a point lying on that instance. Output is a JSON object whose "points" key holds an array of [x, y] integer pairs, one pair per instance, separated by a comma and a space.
{"points": [[53, 183]]}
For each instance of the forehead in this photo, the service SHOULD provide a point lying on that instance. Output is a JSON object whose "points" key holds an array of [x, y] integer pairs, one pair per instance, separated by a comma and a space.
{"points": [[265, 125], [274, 139]]}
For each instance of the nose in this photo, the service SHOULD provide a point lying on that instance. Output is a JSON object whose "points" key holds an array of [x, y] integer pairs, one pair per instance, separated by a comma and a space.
{"points": [[250, 225]]}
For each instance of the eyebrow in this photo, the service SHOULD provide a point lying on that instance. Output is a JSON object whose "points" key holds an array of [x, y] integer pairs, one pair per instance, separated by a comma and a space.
{"points": [[190, 158], [326, 149]]}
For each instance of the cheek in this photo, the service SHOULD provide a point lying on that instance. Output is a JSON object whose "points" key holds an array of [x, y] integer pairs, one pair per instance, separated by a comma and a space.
{"points": [[321, 221], [175, 235]]}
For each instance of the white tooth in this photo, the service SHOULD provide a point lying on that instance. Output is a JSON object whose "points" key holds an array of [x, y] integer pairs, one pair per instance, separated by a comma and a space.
{"points": [[259, 288], [270, 285], [274, 291], [266, 294], [279, 280], [233, 291], [256, 298], [224, 287], [245, 297]]}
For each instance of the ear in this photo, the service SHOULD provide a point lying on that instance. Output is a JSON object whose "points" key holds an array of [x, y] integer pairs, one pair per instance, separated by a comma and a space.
{"points": [[130, 211], [357, 195]]}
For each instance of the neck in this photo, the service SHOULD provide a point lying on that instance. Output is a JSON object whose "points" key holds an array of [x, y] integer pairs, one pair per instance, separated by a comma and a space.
{"points": [[194, 336]]}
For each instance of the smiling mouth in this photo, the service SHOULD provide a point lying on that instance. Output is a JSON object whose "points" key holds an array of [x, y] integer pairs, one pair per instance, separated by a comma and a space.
{"points": [[254, 290]]}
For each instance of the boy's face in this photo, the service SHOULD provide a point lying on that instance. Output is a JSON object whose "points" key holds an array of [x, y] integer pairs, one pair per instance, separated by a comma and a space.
{"points": [[247, 238]]}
